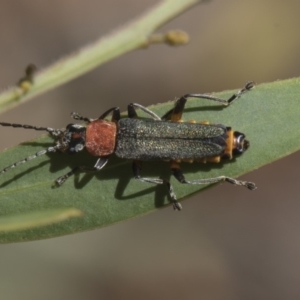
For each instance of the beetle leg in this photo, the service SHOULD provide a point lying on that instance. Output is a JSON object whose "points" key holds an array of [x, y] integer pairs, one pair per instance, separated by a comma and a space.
{"points": [[180, 177], [101, 162], [116, 116], [175, 113], [137, 167], [132, 113]]}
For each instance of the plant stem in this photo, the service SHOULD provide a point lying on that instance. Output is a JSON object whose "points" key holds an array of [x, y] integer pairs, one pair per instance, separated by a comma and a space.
{"points": [[133, 36]]}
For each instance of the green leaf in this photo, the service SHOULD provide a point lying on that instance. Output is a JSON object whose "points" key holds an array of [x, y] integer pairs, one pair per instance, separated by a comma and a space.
{"points": [[268, 115]]}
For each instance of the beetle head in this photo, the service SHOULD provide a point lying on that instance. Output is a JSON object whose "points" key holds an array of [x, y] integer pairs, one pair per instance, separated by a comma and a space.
{"points": [[72, 140]]}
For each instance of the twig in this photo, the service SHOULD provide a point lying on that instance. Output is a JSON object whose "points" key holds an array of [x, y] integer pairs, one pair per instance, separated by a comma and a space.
{"points": [[133, 36]]}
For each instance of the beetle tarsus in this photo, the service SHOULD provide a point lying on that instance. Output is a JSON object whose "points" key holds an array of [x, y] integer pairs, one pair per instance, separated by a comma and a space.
{"points": [[251, 186], [60, 180], [249, 85], [177, 205]]}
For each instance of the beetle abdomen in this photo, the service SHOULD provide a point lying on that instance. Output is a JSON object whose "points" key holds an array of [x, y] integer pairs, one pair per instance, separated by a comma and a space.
{"points": [[159, 140]]}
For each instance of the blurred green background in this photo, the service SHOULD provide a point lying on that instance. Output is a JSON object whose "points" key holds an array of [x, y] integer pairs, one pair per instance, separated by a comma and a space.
{"points": [[227, 243]]}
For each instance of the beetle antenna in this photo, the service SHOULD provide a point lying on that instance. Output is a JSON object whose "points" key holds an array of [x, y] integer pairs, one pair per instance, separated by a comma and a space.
{"points": [[53, 132], [28, 158]]}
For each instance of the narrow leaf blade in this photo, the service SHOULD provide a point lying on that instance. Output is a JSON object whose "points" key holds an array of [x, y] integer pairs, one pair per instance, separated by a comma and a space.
{"points": [[268, 115]]}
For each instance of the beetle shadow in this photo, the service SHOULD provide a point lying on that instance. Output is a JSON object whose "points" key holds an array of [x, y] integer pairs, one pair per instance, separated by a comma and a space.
{"points": [[161, 169], [121, 170], [30, 168], [117, 169], [24, 173]]}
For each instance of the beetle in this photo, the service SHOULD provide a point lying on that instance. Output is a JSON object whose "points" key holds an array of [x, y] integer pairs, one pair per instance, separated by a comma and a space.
{"points": [[157, 138]]}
